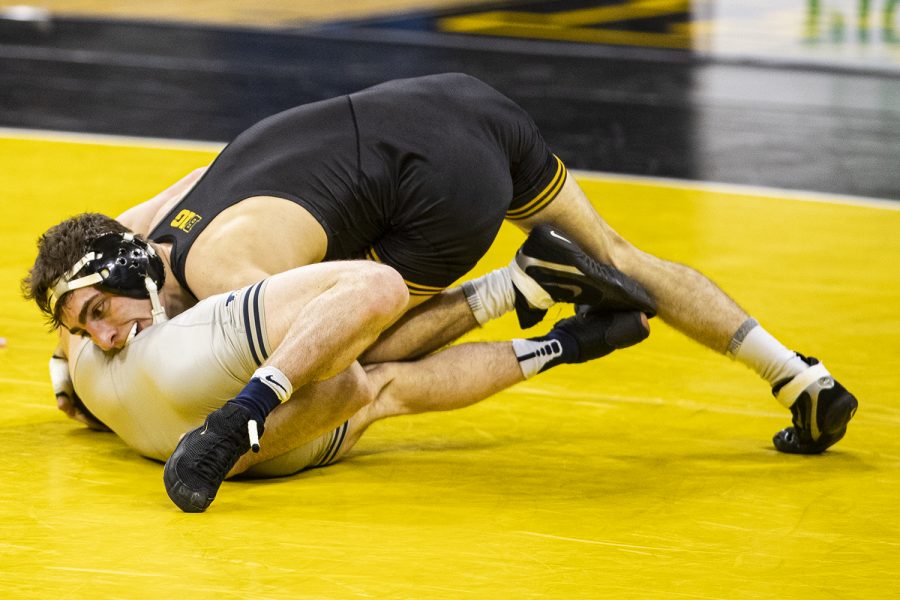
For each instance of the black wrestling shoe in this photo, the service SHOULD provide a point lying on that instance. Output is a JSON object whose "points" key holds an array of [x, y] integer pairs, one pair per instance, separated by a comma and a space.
{"points": [[821, 409], [597, 333], [205, 455], [549, 267]]}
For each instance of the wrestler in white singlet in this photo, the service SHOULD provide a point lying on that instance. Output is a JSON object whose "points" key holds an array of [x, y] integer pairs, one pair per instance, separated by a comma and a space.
{"points": [[168, 379]]}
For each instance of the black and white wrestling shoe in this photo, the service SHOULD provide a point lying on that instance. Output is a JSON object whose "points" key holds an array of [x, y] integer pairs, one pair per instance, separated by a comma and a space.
{"points": [[599, 332], [551, 268], [821, 409], [588, 335]]}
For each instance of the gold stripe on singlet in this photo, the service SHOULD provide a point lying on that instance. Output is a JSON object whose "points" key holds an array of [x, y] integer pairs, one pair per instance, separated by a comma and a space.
{"points": [[415, 289], [544, 198]]}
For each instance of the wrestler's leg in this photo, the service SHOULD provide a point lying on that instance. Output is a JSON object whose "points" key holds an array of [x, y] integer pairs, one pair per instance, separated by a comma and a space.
{"points": [[428, 324], [388, 390], [313, 410], [687, 300], [428, 385], [320, 318], [694, 305], [435, 383]]}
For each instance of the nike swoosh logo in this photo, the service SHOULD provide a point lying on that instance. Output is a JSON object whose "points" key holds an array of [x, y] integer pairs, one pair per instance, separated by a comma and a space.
{"points": [[275, 383], [559, 237], [526, 262], [575, 289]]}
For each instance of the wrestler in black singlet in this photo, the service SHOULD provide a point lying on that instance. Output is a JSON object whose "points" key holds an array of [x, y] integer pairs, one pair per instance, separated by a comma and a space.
{"points": [[415, 173]]}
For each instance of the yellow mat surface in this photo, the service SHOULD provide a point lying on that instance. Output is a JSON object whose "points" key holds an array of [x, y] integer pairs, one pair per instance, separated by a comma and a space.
{"points": [[649, 474], [239, 13]]}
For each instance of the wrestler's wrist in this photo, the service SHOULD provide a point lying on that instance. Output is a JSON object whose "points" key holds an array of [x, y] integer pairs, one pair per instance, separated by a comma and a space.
{"points": [[59, 376]]}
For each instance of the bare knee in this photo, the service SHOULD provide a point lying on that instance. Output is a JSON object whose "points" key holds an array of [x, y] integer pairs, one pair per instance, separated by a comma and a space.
{"points": [[382, 291], [388, 398], [356, 389]]}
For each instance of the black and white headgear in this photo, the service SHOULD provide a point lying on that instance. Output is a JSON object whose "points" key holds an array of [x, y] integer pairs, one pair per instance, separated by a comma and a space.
{"points": [[118, 263]]}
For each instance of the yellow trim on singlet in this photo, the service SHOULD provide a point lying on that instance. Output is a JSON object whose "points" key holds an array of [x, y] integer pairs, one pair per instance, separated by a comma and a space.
{"points": [[372, 255], [415, 289], [544, 198]]}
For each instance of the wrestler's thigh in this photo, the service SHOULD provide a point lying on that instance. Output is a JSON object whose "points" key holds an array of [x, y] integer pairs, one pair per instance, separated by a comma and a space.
{"points": [[311, 292]]}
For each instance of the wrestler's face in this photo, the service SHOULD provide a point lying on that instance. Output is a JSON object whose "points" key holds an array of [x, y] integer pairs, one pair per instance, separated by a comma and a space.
{"points": [[107, 319]]}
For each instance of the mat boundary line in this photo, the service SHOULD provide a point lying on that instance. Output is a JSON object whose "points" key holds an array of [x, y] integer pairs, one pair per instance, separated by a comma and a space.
{"points": [[685, 184]]}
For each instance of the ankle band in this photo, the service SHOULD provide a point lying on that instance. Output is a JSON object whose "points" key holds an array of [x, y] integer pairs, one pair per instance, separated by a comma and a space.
{"points": [[790, 391], [534, 355], [276, 381], [735, 344], [490, 296]]}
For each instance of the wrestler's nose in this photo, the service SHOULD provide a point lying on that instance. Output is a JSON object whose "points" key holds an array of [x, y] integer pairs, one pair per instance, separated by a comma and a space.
{"points": [[103, 334]]}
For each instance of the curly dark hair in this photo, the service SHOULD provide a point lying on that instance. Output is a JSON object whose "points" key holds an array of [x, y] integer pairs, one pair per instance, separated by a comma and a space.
{"points": [[59, 248]]}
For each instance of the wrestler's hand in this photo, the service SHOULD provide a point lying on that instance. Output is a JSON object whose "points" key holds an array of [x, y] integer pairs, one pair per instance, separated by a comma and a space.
{"points": [[66, 399], [75, 409]]}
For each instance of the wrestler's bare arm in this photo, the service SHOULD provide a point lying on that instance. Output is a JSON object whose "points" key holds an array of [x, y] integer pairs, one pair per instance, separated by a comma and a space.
{"points": [[70, 345], [261, 236]]}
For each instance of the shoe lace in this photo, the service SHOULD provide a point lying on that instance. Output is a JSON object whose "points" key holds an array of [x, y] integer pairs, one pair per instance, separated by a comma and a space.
{"points": [[214, 460]]}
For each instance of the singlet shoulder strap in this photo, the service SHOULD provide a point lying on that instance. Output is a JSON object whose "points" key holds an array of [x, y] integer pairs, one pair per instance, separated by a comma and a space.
{"points": [[180, 228]]}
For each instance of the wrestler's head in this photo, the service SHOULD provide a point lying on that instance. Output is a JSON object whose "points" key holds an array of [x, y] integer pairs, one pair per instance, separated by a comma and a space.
{"points": [[96, 278]]}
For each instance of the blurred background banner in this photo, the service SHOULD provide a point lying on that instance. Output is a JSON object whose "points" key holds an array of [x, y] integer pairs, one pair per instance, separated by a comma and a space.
{"points": [[800, 94]]}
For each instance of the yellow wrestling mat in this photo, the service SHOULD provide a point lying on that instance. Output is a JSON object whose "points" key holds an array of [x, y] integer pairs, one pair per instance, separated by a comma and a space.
{"points": [[649, 474], [235, 13]]}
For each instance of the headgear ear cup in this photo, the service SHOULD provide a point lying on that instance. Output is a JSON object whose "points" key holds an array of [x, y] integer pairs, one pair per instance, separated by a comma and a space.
{"points": [[127, 261], [119, 263]]}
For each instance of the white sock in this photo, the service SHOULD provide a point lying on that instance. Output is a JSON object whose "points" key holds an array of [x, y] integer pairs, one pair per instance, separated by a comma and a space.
{"points": [[491, 295], [533, 355], [755, 347]]}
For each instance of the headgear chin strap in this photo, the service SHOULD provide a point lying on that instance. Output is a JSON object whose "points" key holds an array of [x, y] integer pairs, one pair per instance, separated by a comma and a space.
{"points": [[118, 263]]}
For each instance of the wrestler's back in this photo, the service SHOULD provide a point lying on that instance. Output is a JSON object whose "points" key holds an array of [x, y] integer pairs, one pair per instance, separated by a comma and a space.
{"points": [[335, 188]]}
